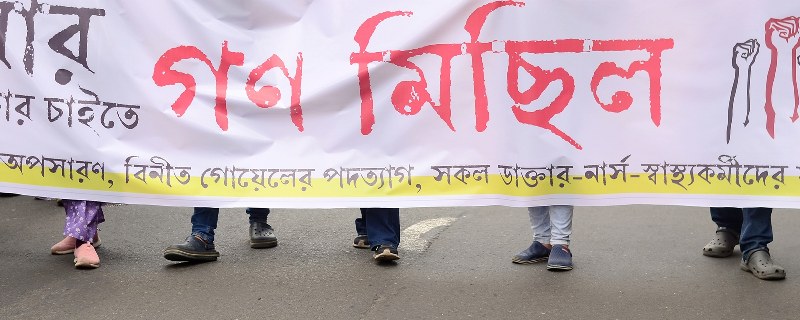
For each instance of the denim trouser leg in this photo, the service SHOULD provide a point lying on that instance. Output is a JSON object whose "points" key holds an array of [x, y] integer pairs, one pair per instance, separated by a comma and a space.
{"points": [[551, 224], [382, 226], [756, 230], [361, 224], [729, 219], [560, 224], [753, 225], [258, 214], [540, 223], [204, 222]]}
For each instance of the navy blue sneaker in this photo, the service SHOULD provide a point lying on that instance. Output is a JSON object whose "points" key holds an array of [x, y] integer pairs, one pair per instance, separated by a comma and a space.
{"points": [[537, 252], [194, 249], [560, 259], [385, 253]]}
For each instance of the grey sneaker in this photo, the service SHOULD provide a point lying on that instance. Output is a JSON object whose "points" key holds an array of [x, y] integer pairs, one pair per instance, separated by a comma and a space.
{"points": [[760, 264], [262, 236]]}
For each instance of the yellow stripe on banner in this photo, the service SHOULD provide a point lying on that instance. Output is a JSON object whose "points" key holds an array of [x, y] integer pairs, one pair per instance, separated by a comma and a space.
{"points": [[419, 185]]}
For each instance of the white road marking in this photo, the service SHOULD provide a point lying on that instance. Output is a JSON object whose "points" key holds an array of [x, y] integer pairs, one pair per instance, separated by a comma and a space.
{"points": [[410, 237]]}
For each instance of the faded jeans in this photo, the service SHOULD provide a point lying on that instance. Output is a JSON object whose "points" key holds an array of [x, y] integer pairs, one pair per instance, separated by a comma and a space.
{"points": [[551, 224]]}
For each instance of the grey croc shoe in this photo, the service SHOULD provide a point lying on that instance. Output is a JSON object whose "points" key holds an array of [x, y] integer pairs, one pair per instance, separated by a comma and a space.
{"points": [[760, 264], [722, 245]]}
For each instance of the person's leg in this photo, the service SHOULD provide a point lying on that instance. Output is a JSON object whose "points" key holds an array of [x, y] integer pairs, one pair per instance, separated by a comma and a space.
{"points": [[729, 219], [76, 216], [561, 223], [540, 224], [257, 214], [95, 214], [361, 241], [261, 233], [99, 218], [756, 236], [726, 237], [383, 230], [539, 250], [204, 222], [199, 246], [756, 231], [82, 220]]}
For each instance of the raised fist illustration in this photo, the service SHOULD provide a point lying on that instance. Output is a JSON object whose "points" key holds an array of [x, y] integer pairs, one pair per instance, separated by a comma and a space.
{"points": [[745, 53], [783, 40], [783, 34]]}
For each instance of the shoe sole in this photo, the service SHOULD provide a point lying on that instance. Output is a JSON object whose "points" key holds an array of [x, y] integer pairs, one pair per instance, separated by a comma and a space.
{"points": [[386, 257], [717, 253], [771, 276], [177, 255], [361, 244], [553, 267], [263, 244], [85, 265], [96, 245], [532, 261]]}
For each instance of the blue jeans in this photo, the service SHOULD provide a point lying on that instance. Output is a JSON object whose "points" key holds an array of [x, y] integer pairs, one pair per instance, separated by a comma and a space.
{"points": [[753, 226], [204, 220], [380, 225]]}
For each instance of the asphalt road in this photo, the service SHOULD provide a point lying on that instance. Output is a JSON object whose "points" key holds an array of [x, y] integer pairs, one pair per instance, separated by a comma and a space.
{"points": [[632, 262]]}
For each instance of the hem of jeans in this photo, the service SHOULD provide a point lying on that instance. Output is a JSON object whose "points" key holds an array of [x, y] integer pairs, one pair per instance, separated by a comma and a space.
{"points": [[208, 239], [542, 240], [746, 255], [264, 222], [561, 242], [736, 234], [732, 231], [375, 246]]}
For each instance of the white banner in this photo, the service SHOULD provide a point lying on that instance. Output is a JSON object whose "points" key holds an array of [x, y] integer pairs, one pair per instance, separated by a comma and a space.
{"points": [[357, 103]]}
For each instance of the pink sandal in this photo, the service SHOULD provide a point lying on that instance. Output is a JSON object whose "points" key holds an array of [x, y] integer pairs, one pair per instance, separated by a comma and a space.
{"points": [[86, 257], [67, 245]]}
